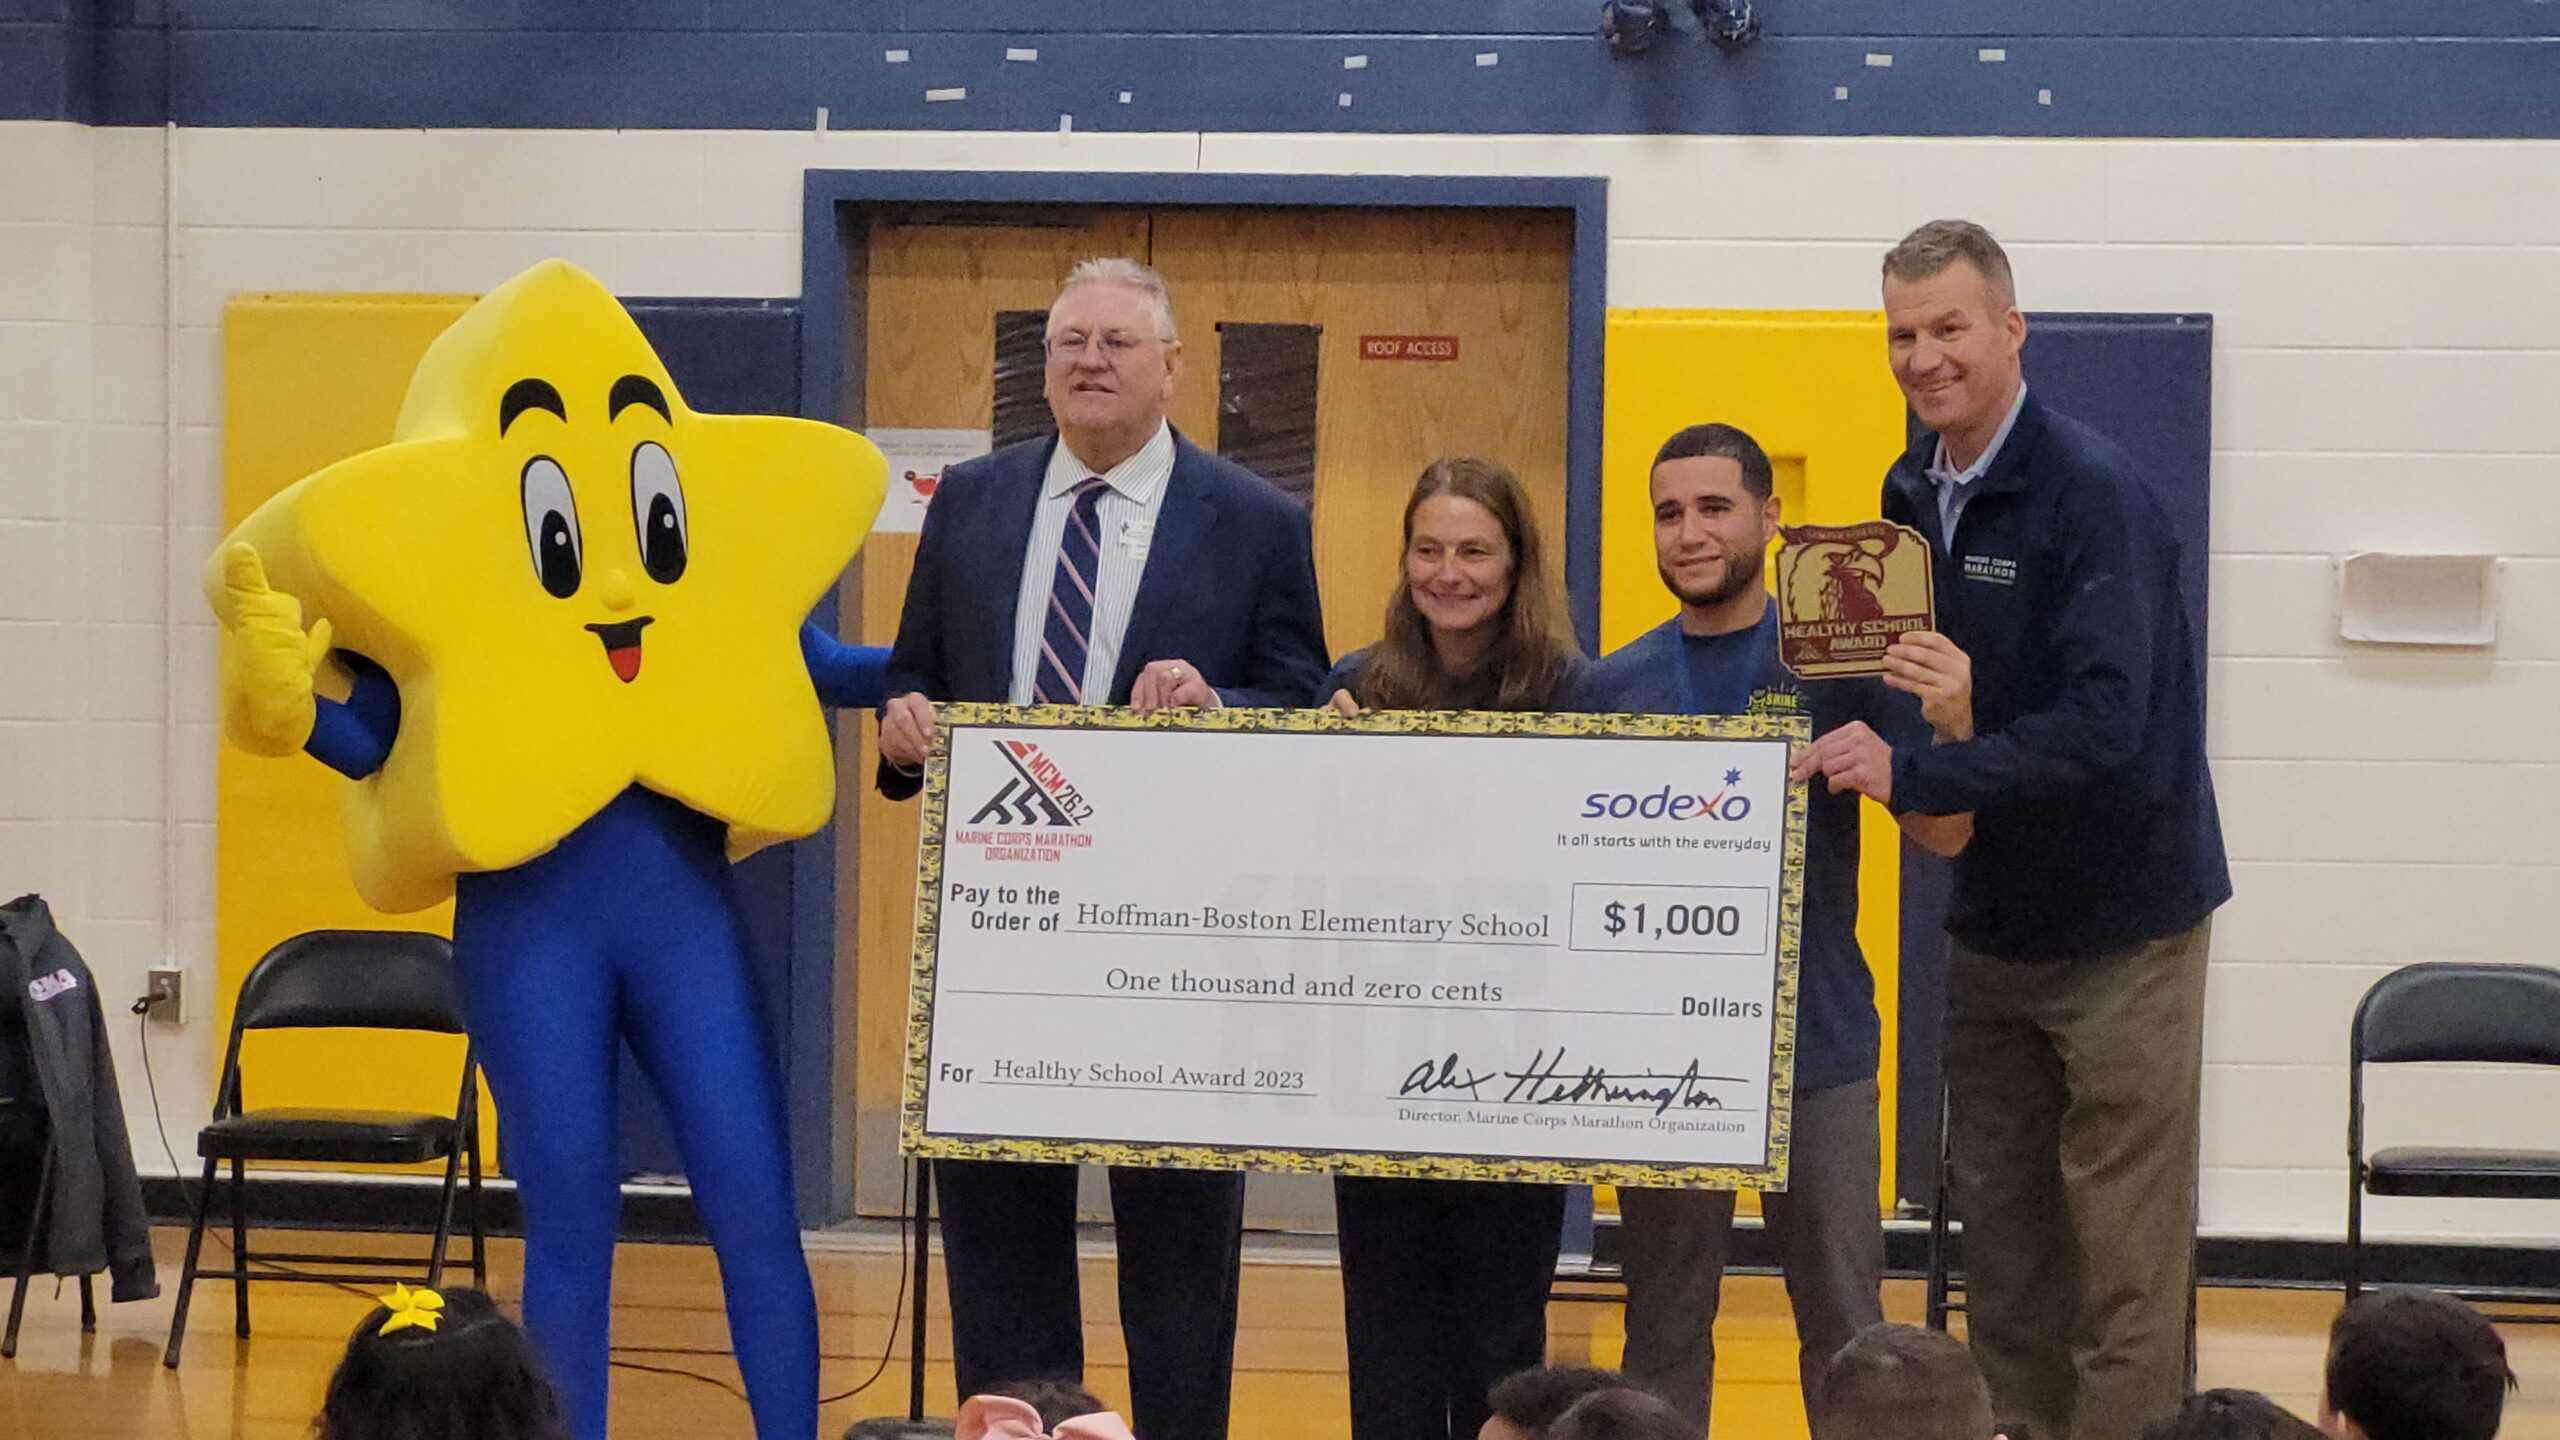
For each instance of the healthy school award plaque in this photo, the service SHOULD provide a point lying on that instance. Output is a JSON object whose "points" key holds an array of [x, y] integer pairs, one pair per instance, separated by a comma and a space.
{"points": [[1845, 592]]}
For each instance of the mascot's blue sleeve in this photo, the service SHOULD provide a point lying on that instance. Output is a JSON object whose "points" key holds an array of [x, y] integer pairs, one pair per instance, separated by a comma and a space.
{"points": [[852, 677], [354, 737]]}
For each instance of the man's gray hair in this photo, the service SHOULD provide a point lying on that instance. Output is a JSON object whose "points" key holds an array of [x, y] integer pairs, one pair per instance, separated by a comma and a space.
{"points": [[1929, 250], [1129, 274]]}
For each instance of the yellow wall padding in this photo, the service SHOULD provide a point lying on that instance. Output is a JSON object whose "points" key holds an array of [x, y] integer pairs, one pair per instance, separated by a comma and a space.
{"points": [[1812, 387], [308, 380]]}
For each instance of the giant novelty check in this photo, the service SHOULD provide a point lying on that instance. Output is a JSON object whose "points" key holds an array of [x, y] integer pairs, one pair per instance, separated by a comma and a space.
{"points": [[1472, 946]]}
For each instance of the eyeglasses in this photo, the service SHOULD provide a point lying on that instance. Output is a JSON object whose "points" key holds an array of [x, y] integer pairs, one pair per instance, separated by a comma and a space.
{"points": [[1116, 344]]}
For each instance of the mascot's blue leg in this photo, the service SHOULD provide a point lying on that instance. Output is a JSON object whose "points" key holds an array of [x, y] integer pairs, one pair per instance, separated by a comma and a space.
{"points": [[629, 930], [700, 1036], [539, 993]]}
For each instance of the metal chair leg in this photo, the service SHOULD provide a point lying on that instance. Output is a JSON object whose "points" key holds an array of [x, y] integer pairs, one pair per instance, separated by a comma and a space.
{"points": [[1941, 1233], [444, 1221], [240, 1245], [187, 1273], [17, 1311], [2195, 1291], [2355, 1233], [27, 1254], [479, 1226], [1937, 1274], [88, 1307]]}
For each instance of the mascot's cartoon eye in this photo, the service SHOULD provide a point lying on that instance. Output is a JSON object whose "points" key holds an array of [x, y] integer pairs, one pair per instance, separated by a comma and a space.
{"points": [[551, 526], [657, 508]]}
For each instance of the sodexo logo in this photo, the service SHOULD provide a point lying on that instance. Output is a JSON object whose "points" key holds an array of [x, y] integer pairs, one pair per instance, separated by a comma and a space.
{"points": [[1666, 804]]}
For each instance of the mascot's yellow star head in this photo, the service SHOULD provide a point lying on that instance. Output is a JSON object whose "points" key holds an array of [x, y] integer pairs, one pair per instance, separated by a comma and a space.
{"points": [[579, 584]]}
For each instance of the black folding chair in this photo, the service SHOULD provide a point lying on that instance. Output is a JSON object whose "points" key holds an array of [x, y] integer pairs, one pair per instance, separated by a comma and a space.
{"points": [[336, 979], [2465, 1014], [24, 1130]]}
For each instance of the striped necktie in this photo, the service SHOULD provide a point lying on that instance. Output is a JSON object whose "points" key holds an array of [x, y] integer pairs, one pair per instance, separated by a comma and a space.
{"points": [[1064, 639]]}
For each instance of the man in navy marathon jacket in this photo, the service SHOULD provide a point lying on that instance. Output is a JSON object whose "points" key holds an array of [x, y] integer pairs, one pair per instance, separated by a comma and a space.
{"points": [[2082, 906]]}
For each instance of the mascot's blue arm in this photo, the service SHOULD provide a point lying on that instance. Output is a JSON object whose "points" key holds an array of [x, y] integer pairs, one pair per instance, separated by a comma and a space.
{"points": [[853, 677], [354, 737]]}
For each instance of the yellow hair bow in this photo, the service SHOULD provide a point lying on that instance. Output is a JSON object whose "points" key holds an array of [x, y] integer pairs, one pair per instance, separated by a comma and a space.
{"points": [[421, 1307]]}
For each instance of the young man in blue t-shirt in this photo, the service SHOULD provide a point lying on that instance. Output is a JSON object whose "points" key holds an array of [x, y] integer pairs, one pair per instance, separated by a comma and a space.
{"points": [[1714, 514]]}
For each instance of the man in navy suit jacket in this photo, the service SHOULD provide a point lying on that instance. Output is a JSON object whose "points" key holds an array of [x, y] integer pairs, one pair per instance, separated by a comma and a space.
{"points": [[1113, 563]]}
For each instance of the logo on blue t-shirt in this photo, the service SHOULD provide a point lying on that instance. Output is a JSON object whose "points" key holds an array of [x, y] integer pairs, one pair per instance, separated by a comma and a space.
{"points": [[1775, 700]]}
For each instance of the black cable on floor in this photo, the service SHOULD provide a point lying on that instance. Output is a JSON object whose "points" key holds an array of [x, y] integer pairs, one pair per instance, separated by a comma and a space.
{"points": [[684, 1373], [907, 1223]]}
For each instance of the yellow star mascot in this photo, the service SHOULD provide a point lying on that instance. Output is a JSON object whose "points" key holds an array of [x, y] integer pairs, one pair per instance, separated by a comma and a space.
{"points": [[573, 617]]}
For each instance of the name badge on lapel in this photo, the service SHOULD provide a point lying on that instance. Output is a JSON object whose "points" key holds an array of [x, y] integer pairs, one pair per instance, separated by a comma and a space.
{"points": [[1991, 569]]}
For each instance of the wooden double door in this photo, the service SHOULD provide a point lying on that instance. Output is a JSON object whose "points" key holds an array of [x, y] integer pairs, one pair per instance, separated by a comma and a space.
{"points": [[1435, 332]]}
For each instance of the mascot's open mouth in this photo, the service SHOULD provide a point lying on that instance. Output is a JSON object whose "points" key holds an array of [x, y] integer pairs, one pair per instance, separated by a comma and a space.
{"points": [[622, 645]]}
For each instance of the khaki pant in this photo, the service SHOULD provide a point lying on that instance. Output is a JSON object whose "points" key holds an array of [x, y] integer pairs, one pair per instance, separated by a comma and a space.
{"points": [[2072, 1117], [1826, 1229]]}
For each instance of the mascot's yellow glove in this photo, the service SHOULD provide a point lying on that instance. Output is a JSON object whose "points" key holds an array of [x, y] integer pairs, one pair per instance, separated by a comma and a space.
{"points": [[268, 661]]}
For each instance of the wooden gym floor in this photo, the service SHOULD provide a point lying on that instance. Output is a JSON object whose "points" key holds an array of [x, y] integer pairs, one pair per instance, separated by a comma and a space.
{"points": [[1289, 1364]]}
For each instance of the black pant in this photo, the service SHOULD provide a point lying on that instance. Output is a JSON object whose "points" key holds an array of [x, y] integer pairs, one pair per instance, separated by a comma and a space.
{"points": [[1444, 1293], [1009, 1248]]}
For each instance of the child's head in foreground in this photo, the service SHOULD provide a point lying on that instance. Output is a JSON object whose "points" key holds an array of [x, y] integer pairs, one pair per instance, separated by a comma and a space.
{"points": [[1621, 1413], [1526, 1405], [439, 1366], [1900, 1382], [1034, 1409], [2414, 1365], [2234, 1415]]}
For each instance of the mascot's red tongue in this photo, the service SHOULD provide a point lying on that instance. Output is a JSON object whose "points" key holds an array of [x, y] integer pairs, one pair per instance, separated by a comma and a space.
{"points": [[622, 645]]}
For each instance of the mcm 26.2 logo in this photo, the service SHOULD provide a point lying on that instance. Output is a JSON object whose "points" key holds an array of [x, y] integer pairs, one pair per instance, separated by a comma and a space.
{"points": [[1039, 794]]}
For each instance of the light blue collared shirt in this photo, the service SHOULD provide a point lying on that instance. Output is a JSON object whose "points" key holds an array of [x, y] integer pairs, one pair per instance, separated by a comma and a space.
{"points": [[1955, 487], [1127, 516]]}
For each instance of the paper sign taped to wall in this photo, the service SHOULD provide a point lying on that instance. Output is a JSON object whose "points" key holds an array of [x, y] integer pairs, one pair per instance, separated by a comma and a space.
{"points": [[1408, 347], [917, 459]]}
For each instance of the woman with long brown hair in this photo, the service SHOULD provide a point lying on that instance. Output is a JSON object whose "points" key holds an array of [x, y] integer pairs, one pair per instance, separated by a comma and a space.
{"points": [[1444, 1282], [1474, 626]]}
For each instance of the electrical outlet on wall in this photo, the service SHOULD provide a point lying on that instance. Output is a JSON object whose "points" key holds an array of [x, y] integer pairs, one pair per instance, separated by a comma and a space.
{"points": [[164, 994]]}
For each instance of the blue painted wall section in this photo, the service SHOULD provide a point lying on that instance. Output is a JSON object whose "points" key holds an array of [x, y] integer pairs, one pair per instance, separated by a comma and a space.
{"points": [[2271, 68], [48, 60], [742, 357]]}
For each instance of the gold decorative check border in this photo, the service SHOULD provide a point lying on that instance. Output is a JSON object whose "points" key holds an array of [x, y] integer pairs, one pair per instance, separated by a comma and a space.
{"points": [[952, 718]]}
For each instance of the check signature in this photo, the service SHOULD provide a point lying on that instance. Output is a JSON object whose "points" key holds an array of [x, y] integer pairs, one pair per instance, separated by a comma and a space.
{"points": [[1549, 1080]]}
